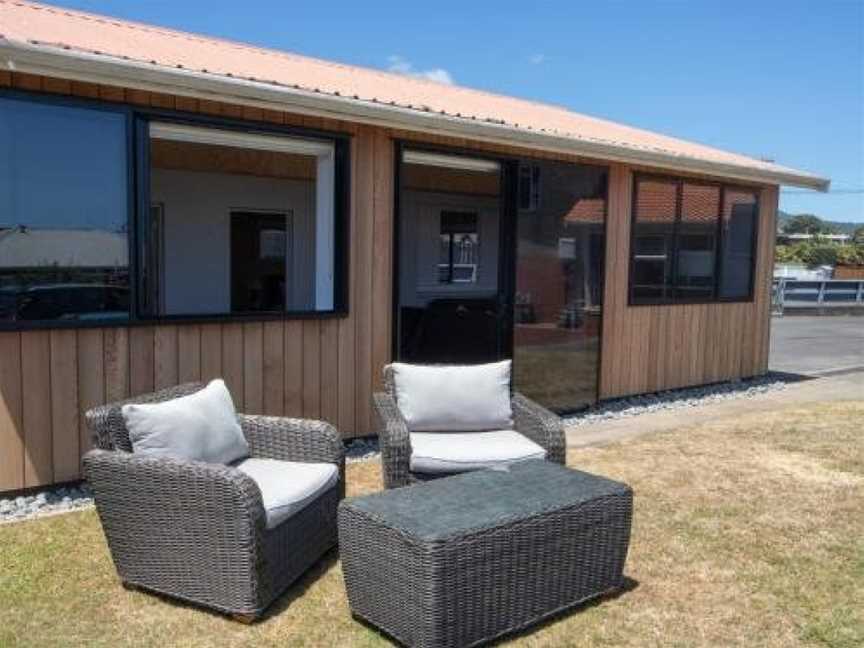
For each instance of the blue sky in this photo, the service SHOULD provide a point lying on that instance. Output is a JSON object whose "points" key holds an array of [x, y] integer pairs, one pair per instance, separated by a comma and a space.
{"points": [[776, 79]]}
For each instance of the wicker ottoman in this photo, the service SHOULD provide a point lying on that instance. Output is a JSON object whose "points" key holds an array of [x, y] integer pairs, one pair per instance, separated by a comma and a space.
{"points": [[462, 560]]}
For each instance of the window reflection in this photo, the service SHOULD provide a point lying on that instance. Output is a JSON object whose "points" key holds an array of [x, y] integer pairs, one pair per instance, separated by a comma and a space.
{"points": [[683, 251], [739, 235], [653, 240], [460, 248], [559, 286], [697, 240], [63, 213]]}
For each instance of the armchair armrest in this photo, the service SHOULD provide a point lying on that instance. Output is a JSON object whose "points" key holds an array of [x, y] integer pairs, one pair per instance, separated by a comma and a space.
{"points": [[394, 439], [168, 521], [291, 439], [541, 426]]}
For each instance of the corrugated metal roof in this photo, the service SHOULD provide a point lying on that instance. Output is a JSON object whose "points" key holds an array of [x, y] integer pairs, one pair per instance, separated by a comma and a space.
{"points": [[62, 30]]}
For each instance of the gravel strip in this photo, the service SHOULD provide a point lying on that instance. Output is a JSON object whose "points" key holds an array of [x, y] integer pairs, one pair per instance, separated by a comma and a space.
{"points": [[46, 502], [679, 399], [66, 499], [365, 449]]}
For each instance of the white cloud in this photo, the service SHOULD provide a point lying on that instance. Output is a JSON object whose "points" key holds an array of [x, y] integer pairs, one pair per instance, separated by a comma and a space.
{"points": [[536, 59], [402, 66]]}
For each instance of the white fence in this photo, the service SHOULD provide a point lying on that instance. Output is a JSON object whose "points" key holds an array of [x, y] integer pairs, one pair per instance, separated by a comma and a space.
{"points": [[817, 294]]}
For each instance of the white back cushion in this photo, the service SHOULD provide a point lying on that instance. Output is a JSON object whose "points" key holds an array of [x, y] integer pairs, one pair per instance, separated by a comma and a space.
{"points": [[454, 397], [200, 427]]}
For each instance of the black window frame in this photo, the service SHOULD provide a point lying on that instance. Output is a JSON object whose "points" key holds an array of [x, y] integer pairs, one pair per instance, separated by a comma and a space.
{"points": [[137, 119], [679, 182]]}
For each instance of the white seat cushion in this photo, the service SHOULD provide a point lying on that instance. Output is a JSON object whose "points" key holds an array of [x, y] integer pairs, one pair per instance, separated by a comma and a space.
{"points": [[288, 486], [440, 452], [199, 427], [454, 397]]}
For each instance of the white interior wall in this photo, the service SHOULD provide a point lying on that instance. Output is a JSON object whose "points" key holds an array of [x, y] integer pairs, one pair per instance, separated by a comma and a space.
{"points": [[419, 236], [197, 236]]}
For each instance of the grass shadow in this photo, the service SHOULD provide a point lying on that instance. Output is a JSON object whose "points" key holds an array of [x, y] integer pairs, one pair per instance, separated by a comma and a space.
{"points": [[294, 591], [627, 586], [299, 587]]}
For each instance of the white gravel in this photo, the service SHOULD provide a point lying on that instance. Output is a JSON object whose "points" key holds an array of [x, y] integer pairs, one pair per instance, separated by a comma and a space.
{"points": [[59, 500], [678, 399], [365, 449], [45, 502]]}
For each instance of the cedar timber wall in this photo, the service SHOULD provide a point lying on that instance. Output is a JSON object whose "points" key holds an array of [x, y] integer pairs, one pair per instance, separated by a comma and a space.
{"points": [[328, 368]]}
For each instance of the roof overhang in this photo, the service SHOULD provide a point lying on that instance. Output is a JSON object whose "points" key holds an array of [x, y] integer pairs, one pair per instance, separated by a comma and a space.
{"points": [[92, 67]]}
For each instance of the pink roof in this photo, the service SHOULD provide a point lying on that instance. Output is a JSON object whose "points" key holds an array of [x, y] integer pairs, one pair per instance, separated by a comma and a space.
{"points": [[43, 26]]}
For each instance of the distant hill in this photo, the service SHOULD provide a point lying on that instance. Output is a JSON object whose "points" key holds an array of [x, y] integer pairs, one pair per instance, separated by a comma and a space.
{"points": [[840, 226]]}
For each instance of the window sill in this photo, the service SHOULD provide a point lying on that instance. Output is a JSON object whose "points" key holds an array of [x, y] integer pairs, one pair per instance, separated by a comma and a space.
{"points": [[44, 325], [695, 302]]}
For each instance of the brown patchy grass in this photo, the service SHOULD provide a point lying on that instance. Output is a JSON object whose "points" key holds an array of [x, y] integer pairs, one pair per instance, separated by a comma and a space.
{"points": [[563, 376], [747, 531]]}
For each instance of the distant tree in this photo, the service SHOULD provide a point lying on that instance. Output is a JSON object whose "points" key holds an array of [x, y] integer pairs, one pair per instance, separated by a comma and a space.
{"points": [[786, 254], [806, 224], [851, 254], [858, 235], [822, 254]]}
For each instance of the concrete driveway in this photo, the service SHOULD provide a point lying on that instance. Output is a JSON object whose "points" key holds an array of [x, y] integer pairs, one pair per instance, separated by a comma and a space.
{"points": [[814, 345]]}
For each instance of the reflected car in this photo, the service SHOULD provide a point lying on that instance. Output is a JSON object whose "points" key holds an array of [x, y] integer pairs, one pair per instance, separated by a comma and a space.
{"points": [[67, 302]]}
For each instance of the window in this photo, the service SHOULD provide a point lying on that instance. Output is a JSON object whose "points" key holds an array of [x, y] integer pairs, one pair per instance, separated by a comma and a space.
{"points": [[653, 241], [695, 270], [229, 219], [64, 254], [529, 187], [739, 233], [246, 223], [692, 242], [460, 246]]}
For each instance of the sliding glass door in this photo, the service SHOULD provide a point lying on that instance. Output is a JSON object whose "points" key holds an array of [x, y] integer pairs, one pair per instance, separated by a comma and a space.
{"points": [[452, 303], [559, 282], [503, 259]]}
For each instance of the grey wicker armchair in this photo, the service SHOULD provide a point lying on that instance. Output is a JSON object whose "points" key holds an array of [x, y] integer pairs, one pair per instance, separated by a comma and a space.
{"points": [[531, 420], [196, 531]]}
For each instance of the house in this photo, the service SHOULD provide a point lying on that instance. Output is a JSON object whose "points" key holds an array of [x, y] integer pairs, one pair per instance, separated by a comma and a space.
{"points": [[294, 224]]}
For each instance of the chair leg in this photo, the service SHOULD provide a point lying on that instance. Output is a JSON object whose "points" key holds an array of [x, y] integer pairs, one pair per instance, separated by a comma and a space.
{"points": [[245, 619]]}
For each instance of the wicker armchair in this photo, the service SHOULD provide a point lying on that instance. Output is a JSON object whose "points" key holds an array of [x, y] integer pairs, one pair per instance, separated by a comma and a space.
{"points": [[531, 420], [196, 531]]}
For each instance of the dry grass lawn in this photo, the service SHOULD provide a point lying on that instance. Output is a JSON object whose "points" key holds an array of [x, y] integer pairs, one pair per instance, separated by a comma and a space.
{"points": [[747, 532]]}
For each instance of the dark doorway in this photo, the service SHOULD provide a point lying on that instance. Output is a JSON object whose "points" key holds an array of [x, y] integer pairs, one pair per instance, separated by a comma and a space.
{"points": [[258, 261], [453, 303]]}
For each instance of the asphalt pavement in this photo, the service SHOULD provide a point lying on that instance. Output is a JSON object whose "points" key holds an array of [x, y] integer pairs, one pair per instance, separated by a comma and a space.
{"points": [[817, 345]]}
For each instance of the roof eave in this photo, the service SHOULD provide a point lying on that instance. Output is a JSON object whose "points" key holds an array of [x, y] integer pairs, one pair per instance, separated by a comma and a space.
{"points": [[101, 68]]}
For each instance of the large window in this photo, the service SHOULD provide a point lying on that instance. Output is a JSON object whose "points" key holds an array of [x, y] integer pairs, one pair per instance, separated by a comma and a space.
{"points": [[64, 254], [241, 223], [692, 241], [112, 214]]}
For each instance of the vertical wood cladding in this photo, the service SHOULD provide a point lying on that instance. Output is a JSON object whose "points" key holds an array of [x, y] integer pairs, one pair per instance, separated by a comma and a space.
{"points": [[328, 368], [651, 348]]}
